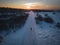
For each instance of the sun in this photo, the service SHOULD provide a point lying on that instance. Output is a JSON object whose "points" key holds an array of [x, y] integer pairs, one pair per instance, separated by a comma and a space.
{"points": [[29, 5]]}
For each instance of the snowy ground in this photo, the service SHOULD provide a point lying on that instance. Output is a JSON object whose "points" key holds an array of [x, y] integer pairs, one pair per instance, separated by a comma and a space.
{"points": [[35, 34]]}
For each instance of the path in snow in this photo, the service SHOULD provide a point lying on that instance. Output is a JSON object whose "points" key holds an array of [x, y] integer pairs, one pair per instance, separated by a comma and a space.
{"points": [[30, 38]]}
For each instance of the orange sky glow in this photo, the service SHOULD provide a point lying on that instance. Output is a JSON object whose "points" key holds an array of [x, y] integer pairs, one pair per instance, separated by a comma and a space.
{"points": [[31, 6]]}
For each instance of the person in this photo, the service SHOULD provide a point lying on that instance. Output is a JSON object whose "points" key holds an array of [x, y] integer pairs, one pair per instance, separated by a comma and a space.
{"points": [[31, 29]]}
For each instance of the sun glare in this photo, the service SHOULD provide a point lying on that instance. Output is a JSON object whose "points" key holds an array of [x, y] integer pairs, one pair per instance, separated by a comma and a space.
{"points": [[29, 5]]}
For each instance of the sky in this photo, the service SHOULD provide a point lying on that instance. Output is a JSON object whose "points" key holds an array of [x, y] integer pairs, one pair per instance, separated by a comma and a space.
{"points": [[39, 4]]}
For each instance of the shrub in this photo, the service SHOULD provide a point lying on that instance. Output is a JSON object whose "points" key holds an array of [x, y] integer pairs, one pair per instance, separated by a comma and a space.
{"points": [[40, 18], [58, 25], [1, 39], [48, 20]]}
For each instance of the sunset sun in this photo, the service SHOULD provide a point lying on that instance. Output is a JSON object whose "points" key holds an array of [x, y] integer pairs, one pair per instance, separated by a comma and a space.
{"points": [[29, 5]]}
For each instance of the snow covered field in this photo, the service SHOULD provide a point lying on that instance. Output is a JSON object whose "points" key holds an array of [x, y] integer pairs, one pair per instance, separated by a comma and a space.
{"points": [[33, 33]]}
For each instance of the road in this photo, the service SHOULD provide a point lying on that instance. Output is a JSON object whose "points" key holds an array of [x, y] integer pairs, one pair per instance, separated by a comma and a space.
{"points": [[30, 38]]}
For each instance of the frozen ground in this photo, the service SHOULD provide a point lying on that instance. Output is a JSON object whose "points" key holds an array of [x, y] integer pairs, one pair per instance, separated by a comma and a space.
{"points": [[35, 34]]}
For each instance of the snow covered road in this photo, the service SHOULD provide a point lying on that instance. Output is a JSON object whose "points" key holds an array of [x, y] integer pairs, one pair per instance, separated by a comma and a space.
{"points": [[30, 38]]}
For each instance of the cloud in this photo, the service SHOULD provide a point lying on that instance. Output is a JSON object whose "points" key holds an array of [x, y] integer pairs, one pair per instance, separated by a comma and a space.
{"points": [[50, 2]]}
